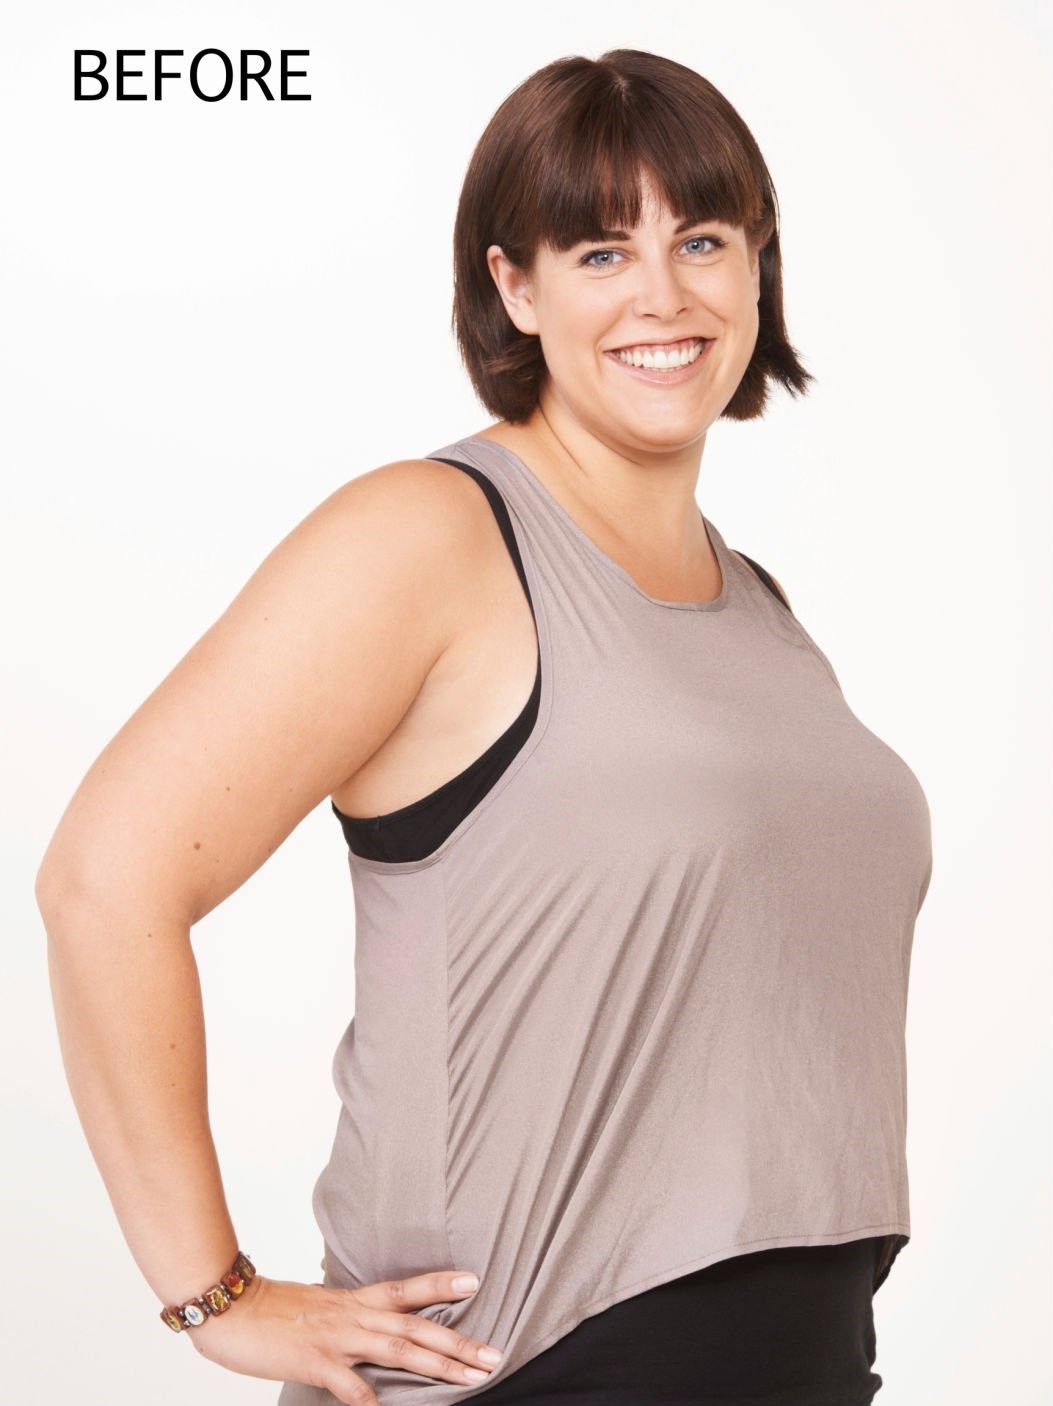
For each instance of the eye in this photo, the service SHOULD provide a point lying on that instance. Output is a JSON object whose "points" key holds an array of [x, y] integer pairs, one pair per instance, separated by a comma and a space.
{"points": [[706, 239], [595, 254]]}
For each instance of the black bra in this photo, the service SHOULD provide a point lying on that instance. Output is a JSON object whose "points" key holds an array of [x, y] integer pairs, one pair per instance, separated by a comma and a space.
{"points": [[415, 830]]}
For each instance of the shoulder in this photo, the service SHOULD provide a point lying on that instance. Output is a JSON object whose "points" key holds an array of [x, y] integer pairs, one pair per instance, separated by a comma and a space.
{"points": [[378, 571], [404, 523], [420, 509], [421, 497], [753, 567]]}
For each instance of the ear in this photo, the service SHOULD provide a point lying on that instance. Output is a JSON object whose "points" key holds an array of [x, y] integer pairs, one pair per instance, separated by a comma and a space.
{"points": [[755, 270], [515, 287]]}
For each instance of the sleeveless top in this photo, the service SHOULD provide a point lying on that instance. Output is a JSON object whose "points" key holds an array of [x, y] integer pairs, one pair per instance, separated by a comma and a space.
{"points": [[629, 1035]]}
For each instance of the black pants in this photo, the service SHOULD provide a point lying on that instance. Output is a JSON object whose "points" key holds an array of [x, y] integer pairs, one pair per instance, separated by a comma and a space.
{"points": [[793, 1326]]}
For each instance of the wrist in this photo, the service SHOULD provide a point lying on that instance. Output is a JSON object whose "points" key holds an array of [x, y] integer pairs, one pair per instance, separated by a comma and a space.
{"points": [[213, 1300]]}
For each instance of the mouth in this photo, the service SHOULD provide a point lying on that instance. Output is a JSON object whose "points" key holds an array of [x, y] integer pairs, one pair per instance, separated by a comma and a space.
{"points": [[662, 361]]}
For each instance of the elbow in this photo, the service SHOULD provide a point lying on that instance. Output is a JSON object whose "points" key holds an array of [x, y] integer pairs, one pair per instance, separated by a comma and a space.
{"points": [[58, 887], [87, 889], [52, 878], [70, 879], [55, 877]]}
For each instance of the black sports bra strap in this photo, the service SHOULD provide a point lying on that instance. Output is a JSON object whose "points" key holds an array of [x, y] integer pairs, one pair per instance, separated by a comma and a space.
{"points": [[497, 503], [767, 580]]}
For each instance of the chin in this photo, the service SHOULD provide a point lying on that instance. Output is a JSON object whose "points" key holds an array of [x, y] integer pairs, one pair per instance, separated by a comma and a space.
{"points": [[673, 432]]}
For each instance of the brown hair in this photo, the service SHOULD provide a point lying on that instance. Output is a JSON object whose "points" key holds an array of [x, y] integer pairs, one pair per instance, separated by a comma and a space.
{"points": [[560, 162]]}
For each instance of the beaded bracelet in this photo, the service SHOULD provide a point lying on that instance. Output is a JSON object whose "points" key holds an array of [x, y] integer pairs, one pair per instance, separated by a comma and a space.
{"points": [[215, 1300]]}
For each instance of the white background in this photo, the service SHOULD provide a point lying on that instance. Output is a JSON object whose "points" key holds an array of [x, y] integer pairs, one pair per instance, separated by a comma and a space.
{"points": [[214, 314]]}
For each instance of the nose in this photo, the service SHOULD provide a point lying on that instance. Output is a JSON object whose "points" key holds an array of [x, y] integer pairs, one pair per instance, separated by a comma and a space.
{"points": [[660, 291]]}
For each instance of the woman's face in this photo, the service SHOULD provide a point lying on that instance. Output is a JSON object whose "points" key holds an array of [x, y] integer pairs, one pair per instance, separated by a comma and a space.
{"points": [[655, 284]]}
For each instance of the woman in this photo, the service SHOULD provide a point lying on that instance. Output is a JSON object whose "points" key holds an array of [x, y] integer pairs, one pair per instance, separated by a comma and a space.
{"points": [[635, 889]]}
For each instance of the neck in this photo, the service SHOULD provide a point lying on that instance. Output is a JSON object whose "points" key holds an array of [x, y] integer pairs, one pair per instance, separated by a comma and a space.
{"points": [[640, 508]]}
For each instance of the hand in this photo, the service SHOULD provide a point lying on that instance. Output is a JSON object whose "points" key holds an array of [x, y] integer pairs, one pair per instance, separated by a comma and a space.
{"points": [[286, 1331]]}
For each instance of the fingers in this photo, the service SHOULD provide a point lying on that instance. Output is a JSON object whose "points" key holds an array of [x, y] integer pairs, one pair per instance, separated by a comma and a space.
{"points": [[417, 1344], [396, 1336], [419, 1290], [348, 1387]]}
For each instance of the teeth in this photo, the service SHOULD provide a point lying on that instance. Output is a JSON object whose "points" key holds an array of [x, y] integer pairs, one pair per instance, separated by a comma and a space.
{"points": [[661, 358]]}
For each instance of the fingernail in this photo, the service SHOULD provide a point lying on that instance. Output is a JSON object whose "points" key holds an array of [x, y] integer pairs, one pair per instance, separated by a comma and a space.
{"points": [[474, 1375], [465, 1283], [489, 1354]]}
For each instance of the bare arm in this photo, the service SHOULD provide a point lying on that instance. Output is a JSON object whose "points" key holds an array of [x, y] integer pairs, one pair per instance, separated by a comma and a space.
{"points": [[301, 679]]}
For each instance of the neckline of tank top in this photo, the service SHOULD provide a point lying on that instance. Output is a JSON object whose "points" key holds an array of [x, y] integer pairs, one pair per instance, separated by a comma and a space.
{"points": [[549, 500]]}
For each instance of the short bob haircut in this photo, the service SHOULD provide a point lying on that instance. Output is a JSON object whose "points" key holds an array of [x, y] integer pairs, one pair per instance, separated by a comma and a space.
{"points": [[560, 162]]}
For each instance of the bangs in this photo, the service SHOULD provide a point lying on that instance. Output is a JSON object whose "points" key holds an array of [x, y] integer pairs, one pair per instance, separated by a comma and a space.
{"points": [[612, 138]]}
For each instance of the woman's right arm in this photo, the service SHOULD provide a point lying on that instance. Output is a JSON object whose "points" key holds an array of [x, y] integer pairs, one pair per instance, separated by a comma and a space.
{"points": [[290, 691]]}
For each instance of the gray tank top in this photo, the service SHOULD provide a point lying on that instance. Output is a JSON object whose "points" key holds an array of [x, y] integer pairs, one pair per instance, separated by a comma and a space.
{"points": [[643, 1009]]}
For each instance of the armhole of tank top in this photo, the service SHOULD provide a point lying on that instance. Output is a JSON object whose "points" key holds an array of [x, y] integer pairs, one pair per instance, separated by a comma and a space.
{"points": [[415, 831], [765, 578], [795, 624]]}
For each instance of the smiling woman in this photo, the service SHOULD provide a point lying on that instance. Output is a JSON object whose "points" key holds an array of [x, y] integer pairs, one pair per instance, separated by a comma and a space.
{"points": [[663, 310], [566, 166], [634, 887]]}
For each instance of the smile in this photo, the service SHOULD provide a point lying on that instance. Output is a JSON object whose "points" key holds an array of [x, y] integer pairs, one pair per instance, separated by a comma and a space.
{"points": [[668, 364], [670, 355]]}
